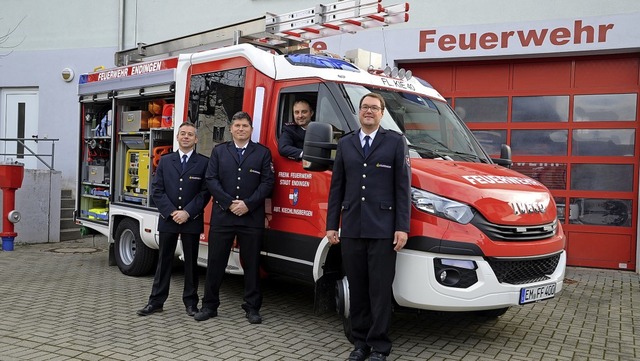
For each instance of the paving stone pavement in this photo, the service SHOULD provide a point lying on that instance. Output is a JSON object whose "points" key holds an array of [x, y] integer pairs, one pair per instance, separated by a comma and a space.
{"points": [[70, 305]]}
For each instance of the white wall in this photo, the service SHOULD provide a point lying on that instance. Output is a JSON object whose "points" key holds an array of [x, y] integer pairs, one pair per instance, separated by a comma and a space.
{"points": [[59, 24], [59, 107], [67, 24]]}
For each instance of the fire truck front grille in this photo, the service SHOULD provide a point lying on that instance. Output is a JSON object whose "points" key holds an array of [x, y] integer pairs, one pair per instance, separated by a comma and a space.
{"points": [[520, 271], [498, 232]]}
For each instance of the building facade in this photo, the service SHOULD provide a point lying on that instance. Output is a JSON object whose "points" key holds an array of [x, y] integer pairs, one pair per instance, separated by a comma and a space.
{"points": [[557, 81]]}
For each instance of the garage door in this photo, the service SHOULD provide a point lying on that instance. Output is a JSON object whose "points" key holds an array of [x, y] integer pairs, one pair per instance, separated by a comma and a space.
{"points": [[572, 124]]}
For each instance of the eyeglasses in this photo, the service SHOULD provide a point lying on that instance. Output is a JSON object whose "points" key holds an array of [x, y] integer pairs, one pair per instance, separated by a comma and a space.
{"points": [[374, 108]]}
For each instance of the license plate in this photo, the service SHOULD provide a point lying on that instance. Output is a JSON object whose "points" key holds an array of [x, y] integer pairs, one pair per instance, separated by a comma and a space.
{"points": [[537, 293]]}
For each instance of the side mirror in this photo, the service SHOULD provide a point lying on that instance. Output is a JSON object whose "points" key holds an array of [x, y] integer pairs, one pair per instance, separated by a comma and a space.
{"points": [[505, 156], [316, 153]]}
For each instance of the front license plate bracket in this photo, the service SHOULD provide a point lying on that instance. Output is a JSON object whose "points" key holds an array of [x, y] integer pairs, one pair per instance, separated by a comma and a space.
{"points": [[537, 293]]}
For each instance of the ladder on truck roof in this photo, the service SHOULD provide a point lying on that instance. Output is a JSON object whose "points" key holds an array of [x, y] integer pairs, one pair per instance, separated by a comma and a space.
{"points": [[283, 33]]}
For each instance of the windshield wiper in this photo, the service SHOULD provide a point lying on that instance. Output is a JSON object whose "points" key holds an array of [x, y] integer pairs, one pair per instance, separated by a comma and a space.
{"points": [[468, 156], [431, 152]]}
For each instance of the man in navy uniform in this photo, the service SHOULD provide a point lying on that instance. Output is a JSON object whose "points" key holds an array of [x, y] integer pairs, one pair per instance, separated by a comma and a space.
{"points": [[370, 192], [240, 177], [292, 138], [180, 193]]}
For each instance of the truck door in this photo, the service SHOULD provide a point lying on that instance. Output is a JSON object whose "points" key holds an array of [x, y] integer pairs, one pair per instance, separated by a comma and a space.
{"points": [[299, 200]]}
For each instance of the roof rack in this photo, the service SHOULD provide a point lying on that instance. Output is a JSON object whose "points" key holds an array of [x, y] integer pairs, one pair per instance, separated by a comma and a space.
{"points": [[284, 33]]}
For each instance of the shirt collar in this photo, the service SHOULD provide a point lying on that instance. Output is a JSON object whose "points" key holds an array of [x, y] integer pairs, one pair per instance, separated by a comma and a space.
{"points": [[245, 146], [372, 135], [183, 153]]}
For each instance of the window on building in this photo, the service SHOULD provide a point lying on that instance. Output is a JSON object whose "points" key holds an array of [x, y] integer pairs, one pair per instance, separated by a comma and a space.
{"points": [[539, 142], [552, 175], [561, 208], [600, 211], [540, 109], [603, 142], [482, 110], [602, 177], [491, 140], [605, 107]]}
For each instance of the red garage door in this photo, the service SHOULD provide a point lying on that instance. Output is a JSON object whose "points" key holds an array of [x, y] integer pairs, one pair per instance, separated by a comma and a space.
{"points": [[572, 124]]}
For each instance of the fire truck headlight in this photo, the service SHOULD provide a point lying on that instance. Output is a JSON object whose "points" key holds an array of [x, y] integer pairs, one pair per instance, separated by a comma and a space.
{"points": [[441, 207]]}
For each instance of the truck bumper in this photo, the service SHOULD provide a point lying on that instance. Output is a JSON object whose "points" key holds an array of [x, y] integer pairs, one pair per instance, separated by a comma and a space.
{"points": [[416, 284]]}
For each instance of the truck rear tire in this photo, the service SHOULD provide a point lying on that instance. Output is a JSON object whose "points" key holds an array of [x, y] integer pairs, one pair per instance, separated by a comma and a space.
{"points": [[342, 306], [133, 257]]}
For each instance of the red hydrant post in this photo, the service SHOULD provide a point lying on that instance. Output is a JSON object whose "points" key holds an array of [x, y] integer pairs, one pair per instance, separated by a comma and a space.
{"points": [[11, 176]]}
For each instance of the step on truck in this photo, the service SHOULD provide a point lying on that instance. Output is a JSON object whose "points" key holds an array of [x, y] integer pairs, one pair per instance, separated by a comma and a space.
{"points": [[483, 237]]}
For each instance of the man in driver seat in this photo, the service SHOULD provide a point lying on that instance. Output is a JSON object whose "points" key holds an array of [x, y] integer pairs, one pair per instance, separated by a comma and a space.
{"points": [[292, 138]]}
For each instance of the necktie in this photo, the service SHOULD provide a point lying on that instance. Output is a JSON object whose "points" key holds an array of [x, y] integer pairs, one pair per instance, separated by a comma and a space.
{"points": [[366, 146], [240, 151], [184, 162]]}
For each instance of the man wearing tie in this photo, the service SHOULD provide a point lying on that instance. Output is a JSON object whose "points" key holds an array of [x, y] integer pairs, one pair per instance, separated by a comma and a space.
{"points": [[179, 191], [370, 193], [240, 177]]}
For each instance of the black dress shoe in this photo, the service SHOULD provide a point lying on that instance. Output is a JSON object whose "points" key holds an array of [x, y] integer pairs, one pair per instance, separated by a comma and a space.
{"points": [[149, 309], [192, 310], [252, 315], [377, 356], [358, 355], [205, 314]]}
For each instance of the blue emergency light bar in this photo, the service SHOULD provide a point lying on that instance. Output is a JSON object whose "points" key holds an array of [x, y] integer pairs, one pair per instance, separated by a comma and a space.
{"points": [[320, 61]]}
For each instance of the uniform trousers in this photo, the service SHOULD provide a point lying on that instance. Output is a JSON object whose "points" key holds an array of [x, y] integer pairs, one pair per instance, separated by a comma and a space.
{"points": [[220, 242], [166, 254], [370, 266]]}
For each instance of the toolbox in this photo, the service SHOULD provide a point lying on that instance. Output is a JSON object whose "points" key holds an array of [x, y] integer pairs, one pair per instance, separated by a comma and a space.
{"points": [[95, 174], [135, 121]]}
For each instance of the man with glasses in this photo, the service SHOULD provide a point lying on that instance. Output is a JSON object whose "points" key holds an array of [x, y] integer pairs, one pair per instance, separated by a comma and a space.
{"points": [[370, 193]]}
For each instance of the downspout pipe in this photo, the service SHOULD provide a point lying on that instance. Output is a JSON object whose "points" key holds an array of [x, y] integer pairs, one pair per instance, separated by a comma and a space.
{"points": [[120, 25]]}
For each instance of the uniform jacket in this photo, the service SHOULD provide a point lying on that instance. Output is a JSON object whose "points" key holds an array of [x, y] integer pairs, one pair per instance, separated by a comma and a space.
{"points": [[291, 141], [250, 180], [372, 195], [174, 189]]}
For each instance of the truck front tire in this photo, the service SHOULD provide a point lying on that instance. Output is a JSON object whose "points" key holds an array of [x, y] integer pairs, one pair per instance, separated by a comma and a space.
{"points": [[133, 257]]}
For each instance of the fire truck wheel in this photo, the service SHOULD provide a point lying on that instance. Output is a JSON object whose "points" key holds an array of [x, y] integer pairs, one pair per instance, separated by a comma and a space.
{"points": [[133, 257], [492, 313], [342, 306]]}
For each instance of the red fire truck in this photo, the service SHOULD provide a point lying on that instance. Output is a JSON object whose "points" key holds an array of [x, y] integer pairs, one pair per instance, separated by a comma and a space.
{"points": [[483, 237]]}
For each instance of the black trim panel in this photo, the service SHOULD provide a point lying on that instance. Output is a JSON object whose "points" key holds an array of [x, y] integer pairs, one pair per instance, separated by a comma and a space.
{"points": [[433, 245]]}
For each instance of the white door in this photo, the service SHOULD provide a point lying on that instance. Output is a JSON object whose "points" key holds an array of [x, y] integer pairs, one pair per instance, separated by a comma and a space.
{"points": [[19, 119]]}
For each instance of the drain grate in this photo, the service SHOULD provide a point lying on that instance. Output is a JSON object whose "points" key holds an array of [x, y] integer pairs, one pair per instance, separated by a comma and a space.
{"points": [[75, 250]]}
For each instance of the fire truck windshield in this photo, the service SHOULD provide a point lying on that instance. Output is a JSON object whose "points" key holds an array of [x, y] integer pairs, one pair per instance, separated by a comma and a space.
{"points": [[431, 127]]}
